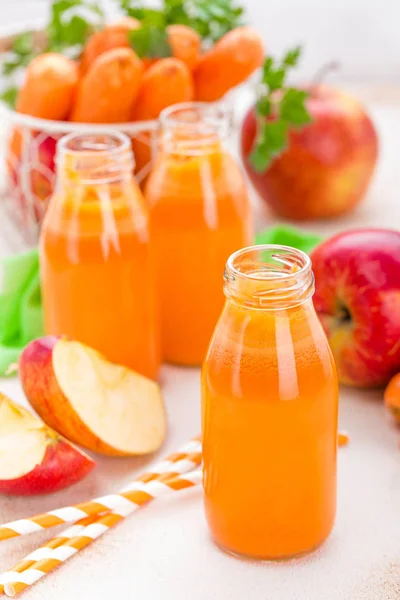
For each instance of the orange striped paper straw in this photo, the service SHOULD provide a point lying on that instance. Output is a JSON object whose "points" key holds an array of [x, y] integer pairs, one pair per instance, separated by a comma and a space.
{"points": [[186, 459], [34, 556], [48, 557]]}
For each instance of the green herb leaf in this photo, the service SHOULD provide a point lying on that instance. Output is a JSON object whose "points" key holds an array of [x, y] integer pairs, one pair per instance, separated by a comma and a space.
{"points": [[9, 96], [275, 136], [293, 108], [277, 110], [264, 107], [22, 44], [150, 42], [260, 157], [11, 65], [272, 139], [274, 78], [210, 18], [149, 16], [291, 57], [71, 23]]}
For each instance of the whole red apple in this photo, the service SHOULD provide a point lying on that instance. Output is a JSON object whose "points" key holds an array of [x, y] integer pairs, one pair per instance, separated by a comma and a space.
{"points": [[357, 298], [31, 171], [328, 164]]}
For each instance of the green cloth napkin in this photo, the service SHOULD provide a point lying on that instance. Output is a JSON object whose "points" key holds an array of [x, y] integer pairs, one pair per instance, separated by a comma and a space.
{"points": [[289, 236], [21, 317]]}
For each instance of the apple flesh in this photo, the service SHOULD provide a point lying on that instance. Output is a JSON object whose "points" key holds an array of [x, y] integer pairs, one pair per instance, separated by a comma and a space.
{"points": [[328, 165], [357, 298], [33, 458], [105, 407]]}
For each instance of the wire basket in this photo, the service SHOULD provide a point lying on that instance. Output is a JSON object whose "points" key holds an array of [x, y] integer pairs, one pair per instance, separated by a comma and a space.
{"points": [[27, 154], [28, 164]]}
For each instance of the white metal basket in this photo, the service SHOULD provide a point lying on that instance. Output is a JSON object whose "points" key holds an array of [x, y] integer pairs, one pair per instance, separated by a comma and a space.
{"points": [[28, 167]]}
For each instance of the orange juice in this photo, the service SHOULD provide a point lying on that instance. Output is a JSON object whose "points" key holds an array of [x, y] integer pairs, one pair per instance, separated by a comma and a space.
{"points": [[269, 410], [97, 269], [200, 213]]}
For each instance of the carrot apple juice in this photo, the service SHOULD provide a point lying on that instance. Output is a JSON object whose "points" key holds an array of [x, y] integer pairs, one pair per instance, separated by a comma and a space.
{"points": [[200, 213], [98, 276], [269, 392]]}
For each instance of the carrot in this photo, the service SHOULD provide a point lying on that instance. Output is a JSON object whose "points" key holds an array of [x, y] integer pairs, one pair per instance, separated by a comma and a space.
{"points": [[149, 62], [106, 93], [112, 36], [392, 397], [343, 439], [166, 82], [50, 84], [229, 62], [185, 44]]}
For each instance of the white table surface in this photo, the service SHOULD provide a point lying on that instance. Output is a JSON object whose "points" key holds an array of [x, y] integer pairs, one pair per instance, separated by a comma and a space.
{"points": [[164, 551]]}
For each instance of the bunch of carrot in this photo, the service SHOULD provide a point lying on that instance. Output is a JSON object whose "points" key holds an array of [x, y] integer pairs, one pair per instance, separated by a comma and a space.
{"points": [[109, 83]]}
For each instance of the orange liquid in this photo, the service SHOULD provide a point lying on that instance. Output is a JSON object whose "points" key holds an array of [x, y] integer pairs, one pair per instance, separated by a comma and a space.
{"points": [[98, 275], [200, 213], [269, 432]]}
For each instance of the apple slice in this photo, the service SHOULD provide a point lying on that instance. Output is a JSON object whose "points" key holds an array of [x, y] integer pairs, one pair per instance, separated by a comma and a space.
{"points": [[34, 459], [102, 406]]}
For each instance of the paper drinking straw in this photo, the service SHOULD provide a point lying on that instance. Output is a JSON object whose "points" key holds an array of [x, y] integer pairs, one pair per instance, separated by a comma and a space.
{"points": [[34, 556], [49, 558], [343, 438], [186, 459]]}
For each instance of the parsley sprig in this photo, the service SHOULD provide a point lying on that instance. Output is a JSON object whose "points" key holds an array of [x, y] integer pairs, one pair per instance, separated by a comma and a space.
{"points": [[278, 109], [210, 18]]}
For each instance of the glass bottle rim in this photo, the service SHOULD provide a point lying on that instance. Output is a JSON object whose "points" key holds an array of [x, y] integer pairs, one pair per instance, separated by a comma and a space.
{"points": [[192, 128], [306, 266], [215, 111], [282, 279], [97, 145]]}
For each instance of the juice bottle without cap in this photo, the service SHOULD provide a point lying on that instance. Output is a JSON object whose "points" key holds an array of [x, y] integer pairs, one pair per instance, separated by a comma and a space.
{"points": [[200, 213], [269, 411], [97, 268]]}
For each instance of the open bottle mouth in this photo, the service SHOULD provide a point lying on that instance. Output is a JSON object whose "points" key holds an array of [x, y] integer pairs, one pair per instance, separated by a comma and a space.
{"points": [[193, 127], [269, 276], [95, 157]]}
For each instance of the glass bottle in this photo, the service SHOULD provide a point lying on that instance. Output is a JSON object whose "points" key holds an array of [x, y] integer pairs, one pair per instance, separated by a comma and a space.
{"points": [[97, 267], [200, 213], [269, 409]]}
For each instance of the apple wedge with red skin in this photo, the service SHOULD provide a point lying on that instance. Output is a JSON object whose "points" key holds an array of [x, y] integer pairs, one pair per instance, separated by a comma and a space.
{"points": [[34, 459], [97, 404], [357, 298]]}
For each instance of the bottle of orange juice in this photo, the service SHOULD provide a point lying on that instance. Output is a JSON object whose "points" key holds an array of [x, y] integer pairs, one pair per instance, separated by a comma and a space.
{"points": [[97, 267], [269, 409], [200, 213]]}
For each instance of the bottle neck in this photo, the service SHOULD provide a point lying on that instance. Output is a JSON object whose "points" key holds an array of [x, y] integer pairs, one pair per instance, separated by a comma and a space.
{"points": [[194, 129], [269, 277], [94, 160]]}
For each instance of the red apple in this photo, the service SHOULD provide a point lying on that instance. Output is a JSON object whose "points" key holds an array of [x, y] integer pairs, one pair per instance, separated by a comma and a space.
{"points": [[357, 298], [328, 165], [31, 171], [34, 459]]}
